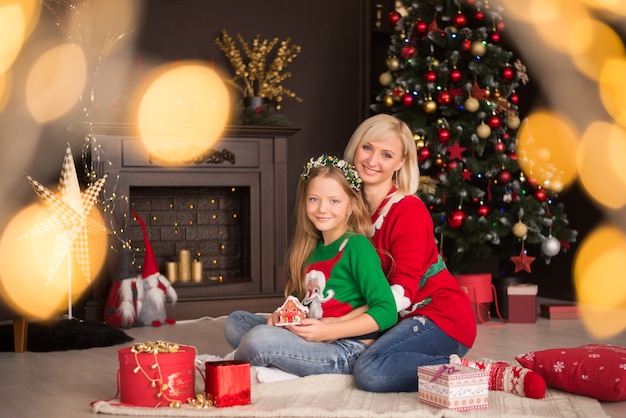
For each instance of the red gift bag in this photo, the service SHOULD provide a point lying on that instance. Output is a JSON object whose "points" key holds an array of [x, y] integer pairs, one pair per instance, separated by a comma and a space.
{"points": [[481, 293], [156, 374]]}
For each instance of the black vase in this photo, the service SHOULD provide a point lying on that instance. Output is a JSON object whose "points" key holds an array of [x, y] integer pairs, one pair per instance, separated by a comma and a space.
{"points": [[254, 102]]}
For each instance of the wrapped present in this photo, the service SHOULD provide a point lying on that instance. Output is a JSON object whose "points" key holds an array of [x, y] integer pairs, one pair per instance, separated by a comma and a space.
{"points": [[522, 303], [453, 387], [157, 374], [227, 383]]}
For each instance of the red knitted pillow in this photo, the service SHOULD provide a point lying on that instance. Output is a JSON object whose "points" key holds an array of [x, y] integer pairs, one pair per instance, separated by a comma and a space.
{"points": [[594, 370]]}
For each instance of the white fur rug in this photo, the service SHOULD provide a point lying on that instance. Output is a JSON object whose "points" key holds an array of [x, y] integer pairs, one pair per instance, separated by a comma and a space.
{"points": [[336, 396]]}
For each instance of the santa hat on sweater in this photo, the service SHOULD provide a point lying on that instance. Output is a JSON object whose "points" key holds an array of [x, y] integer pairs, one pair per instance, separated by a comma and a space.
{"points": [[150, 265]]}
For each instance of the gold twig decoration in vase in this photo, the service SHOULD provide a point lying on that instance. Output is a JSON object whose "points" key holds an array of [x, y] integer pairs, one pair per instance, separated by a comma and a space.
{"points": [[254, 76]]}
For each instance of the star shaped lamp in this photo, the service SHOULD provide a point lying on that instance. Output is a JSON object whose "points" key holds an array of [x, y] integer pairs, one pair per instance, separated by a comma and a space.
{"points": [[69, 220]]}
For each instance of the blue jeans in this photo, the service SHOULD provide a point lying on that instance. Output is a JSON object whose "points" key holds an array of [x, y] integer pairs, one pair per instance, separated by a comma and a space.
{"points": [[264, 345], [390, 363]]}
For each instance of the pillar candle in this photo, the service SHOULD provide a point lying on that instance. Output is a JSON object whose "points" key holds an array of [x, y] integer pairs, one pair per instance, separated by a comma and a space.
{"points": [[196, 271], [171, 271], [184, 265]]}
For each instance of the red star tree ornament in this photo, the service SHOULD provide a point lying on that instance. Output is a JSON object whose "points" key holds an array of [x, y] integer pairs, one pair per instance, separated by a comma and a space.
{"points": [[455, 151], [522, 261]]}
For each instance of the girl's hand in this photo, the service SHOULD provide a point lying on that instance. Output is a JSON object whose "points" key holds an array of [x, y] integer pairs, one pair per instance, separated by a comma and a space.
{"points": [[312, 330], [273, 319]]}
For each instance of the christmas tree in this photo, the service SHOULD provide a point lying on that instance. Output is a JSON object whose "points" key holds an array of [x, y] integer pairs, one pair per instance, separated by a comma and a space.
{"points": [[452, 82]]}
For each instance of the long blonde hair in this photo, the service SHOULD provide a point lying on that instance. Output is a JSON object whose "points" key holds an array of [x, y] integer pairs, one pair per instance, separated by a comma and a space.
{"points": [[307, 236], [379, 126]]}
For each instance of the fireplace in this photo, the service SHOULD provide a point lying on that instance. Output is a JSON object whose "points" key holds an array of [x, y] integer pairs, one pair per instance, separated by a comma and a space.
{"points": [[228, 209]]}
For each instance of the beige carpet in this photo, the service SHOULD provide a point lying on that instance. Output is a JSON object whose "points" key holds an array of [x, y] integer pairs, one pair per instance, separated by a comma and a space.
{"points": [[336, 396]]}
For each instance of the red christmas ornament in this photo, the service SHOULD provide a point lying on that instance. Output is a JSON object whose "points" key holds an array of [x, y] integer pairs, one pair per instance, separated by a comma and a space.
{"points": [[452, 165], [495, 37], [541, 195], [504, 177], [507, 74], [500, 26], [532, 181], [470, 2], [466, 45], [522, 261], [514, 98], [431, 76], [483, 210], [443, 135], [407, 100], [494, 122], [444, 98], [499, 147], [408, 52], [456, 76], [421, 27], [398, 92], [479, 16], [456, 218], [424, 154], [513, 156], [394, 17], [459, 20]]}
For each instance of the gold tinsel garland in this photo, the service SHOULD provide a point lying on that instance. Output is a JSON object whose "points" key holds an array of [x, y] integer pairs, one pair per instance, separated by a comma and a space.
{"points": [[255, 76]]}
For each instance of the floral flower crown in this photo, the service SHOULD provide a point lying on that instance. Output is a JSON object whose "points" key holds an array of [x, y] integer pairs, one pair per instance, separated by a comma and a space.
{"points": [[331, 161]]}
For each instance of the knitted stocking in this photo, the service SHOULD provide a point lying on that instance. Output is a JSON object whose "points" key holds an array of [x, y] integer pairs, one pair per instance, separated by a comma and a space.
{"points": [[508, 378]]}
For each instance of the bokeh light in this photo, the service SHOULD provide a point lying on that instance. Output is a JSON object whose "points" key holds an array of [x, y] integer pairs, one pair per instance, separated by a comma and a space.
{"points": [[601, 164], [546, 149], [5, 88], [569, 30], [24, 265], [183, 111], [600, 288], [56, 82], [604, 45], [614, 6], [12, 33], [613, 89]]}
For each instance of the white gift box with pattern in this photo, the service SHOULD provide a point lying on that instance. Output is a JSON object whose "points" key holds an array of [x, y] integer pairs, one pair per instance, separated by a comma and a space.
{"points": [[453, 387]]}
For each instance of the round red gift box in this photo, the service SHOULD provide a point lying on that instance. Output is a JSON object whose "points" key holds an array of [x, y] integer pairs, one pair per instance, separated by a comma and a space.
{"points": [[156, 379]]}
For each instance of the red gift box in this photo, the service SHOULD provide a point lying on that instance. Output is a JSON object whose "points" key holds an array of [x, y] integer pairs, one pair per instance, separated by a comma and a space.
{"points": [[227, 383], [156, 374], [522, 303]]}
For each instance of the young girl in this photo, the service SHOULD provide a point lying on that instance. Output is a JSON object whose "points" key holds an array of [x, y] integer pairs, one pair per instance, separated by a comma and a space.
{"points": [[333, 267]]}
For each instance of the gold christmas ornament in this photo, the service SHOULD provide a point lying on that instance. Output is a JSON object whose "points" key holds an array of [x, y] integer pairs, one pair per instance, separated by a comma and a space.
{"points": [[257, 77], [483, 131], [430, 106], [388, 100], [385, 78], [478, 48], [472, 104], [393, 64], [512, 122], [520, 229]]}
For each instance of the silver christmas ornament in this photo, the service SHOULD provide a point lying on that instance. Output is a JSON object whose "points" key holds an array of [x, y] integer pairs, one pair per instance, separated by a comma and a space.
{"points": [[550, 246]]}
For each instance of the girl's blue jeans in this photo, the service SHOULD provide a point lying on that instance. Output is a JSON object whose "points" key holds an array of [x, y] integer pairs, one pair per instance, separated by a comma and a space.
{"points": [[264, 345]]}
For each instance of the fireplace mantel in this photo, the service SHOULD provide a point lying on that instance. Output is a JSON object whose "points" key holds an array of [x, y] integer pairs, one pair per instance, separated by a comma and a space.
{"points": [[253, 157]]}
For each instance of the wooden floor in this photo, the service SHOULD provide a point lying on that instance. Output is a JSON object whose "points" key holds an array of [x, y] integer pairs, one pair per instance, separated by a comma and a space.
{"points": [[62, 384]]}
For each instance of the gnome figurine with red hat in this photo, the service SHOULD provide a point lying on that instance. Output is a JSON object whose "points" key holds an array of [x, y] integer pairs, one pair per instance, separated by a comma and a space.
{"points": [[151, 291]]}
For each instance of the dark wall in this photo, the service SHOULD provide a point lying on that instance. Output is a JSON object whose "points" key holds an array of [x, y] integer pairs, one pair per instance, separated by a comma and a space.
{"points": [[326, 74]]}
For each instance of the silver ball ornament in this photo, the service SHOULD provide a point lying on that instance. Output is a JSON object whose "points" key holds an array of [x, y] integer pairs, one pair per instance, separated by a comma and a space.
{"points": [[550, 246]]}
